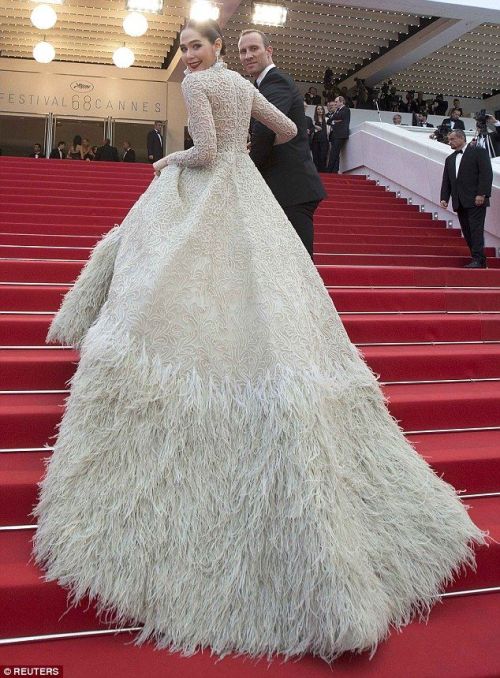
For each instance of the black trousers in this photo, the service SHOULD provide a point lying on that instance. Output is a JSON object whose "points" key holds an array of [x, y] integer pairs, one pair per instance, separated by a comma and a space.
{"points": [[334, 159], [472, 224], [301, 218]]}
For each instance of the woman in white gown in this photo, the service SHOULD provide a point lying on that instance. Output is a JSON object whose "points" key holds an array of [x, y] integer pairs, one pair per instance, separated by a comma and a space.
{"points": [[226, 473]]}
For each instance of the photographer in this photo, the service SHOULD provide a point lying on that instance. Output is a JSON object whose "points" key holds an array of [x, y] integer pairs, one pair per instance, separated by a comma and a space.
{"points": [[487, 134]]}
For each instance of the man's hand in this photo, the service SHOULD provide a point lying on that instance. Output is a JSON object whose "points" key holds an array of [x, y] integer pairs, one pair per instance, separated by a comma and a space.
{"points": [[157, 173], [490, 119], [479, 200], [444, 204]]}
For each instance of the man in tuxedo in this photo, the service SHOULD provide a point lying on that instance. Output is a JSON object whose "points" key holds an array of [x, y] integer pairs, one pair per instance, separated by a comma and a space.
{"points": [[107, 152], [421, 120], [467, 178], [454, 122], [339, 133], [155, 143], [128, 152], [59, 153], [37, 151], [310, 125], [288, 169]]}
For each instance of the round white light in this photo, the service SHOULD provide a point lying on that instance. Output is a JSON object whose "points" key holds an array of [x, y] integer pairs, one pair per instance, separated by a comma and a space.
{"points": [[135, 24], [43, 17], [123, 57], [202, 10], [43, 52]]}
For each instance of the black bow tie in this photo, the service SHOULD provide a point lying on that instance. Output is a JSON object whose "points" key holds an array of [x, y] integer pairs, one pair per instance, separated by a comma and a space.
{"points": [[457, 152]]}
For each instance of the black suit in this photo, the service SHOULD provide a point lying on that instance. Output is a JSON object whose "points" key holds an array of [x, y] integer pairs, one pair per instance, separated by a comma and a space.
{"points": [[107, 152], [475, 177], [458, 124], [339, 134], [129, 155], [155, 145], [288, 169], [54, 154]]}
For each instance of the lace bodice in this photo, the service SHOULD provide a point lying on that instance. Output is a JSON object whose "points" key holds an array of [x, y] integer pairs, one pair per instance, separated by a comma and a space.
{"points": [[220, 104]]}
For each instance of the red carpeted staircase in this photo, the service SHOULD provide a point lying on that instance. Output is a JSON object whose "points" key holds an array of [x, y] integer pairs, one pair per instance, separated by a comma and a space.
{"points": [[430, 329]]}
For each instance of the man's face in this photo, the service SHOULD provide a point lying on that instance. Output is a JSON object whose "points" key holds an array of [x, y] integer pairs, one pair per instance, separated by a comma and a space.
{"points": [[37, 148], [396, 120], [126, 145], [331, 106], [253, 55], [456, 142], [455, 115], [158, 126], [62, 147], [338, 103]]}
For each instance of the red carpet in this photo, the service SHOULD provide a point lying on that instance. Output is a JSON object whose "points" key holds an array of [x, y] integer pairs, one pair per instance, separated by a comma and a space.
{"points": [[430, 330]]}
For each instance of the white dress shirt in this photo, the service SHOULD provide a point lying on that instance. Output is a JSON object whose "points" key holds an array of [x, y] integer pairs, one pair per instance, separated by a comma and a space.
{"points": [[263, 74], [458, 160]]}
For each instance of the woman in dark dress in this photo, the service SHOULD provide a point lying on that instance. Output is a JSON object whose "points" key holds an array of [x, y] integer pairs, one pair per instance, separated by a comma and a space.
{"points": [[319, 144]]}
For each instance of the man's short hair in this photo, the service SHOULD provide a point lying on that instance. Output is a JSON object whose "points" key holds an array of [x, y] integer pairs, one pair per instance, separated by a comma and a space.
{"points": [[61, 142], [459, 133], [457, 110], [158, 122], [265, 39]]}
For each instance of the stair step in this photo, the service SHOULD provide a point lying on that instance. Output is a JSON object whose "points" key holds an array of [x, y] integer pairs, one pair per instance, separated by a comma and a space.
{"points": [[31, 330], [399, 299], [418, 407], [412, 260], [47, 601], [382, 249], [416, 328], [468, 461], [406, 276], [421, 363], [460, 640]]}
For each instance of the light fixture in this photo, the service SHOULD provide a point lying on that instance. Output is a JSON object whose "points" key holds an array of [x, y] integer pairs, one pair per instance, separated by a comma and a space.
{"points": [[135, 24], [44, 52], [268, 14], [123, 57], [202, 10], [43, 17], [145, 6]]}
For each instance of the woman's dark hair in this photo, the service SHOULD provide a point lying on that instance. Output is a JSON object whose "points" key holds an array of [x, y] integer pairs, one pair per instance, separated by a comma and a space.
{"points": [[208, 29], [316, 118], [77, 141]]}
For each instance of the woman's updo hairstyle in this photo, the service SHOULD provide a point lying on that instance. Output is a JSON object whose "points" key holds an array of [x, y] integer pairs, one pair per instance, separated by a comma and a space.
{"points": [[208, 29]]}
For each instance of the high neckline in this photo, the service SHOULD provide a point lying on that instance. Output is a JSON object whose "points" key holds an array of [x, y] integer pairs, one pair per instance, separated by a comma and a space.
{"points": [[218, 65]]}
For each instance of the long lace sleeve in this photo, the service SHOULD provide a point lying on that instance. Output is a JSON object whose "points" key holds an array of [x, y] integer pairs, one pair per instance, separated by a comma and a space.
{"points": [[270, 116], [201, 127]]}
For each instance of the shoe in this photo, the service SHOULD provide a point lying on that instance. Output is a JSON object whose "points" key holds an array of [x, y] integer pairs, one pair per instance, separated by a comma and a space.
{"points": [[476, 263]]}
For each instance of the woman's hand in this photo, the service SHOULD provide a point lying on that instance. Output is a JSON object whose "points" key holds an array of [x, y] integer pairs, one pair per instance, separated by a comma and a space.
{"points": [[157, 173]]}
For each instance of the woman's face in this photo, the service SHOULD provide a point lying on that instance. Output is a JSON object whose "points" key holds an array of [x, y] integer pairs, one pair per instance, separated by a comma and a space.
{"points": [[319, 110], [197, 52]]}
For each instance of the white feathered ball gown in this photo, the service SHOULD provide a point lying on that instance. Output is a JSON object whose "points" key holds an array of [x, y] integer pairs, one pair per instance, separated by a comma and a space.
{"points": [[226, 472]]}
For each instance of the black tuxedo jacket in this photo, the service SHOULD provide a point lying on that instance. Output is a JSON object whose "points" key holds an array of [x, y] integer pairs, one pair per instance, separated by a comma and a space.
{"points": [[288, 169], [475, 177], [341, 119], [459, 124], [155, 147], [129, 156], [107, 152], [54, 153]]}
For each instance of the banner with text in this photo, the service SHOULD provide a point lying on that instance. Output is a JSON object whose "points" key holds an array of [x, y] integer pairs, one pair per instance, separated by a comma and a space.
{"points": [[24, 92]]}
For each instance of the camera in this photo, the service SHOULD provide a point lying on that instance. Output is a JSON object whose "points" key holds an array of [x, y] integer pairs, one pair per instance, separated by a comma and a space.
{"points": [[481, 118]]}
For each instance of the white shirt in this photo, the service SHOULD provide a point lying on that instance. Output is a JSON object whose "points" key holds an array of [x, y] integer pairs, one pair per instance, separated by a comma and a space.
{"points": [[263, 74], [458, 160]]}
